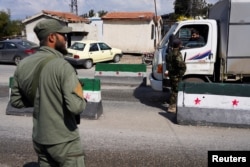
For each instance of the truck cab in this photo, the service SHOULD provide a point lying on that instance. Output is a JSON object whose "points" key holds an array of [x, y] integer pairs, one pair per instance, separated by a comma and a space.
{"points": [[200, 57]]}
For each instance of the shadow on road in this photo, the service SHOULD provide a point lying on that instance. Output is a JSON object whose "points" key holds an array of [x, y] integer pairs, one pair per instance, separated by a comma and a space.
{"points": [[6, 63], [150, 97], [31, 164]]}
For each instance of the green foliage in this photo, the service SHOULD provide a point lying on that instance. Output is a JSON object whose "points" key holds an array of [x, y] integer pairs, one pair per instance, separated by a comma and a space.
{"points": [[102, 13], [182, 7], [91, 13], [191, 8], [4, 21], [9, 28]]}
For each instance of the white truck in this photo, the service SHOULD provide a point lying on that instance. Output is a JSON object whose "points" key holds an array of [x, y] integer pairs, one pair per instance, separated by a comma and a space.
{"points": [[225, 54]]}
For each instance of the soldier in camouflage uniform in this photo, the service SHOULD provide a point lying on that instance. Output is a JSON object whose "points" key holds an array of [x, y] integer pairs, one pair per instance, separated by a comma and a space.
{"points": [[176, 69]]}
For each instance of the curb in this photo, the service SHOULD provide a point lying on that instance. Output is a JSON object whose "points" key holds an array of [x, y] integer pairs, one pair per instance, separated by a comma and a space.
{"points": [[92, 92], [213, 104], [121, 74]]}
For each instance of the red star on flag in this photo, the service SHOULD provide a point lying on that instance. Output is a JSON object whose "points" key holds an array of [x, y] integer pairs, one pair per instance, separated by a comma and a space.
{"points": [[87, 96], [117, 72], [235, 102], [100, 73], [139, 74], [197, 101]]}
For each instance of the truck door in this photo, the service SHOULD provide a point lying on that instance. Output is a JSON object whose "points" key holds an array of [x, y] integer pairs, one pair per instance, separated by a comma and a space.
{"points": [[199, 54]]}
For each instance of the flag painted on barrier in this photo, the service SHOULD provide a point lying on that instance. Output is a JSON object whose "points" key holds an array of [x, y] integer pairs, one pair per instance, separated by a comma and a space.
{"points": [[92, 96], [214, 95], [91, 89]]}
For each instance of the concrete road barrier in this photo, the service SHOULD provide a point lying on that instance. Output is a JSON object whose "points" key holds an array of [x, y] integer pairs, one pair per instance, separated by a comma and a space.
{"points": [[123, 74], [91, 91], [214, 104]]}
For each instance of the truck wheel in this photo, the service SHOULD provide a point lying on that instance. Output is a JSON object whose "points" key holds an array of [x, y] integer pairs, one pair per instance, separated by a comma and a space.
{"points": [[116, 58], [88, 64], [196, 80]]}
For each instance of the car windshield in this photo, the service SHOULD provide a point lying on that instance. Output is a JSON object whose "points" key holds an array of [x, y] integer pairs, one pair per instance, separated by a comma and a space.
{"points": [[166, 37], [77, 46]]}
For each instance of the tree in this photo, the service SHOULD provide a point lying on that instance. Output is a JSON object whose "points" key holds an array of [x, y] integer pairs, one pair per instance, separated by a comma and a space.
{"points": [[102, 13], [197, 8], [9, 27], [4, 21], [91, 13], [182, 7], [191, 8]]}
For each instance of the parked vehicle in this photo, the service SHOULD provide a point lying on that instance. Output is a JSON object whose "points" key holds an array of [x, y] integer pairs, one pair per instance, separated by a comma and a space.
{"points": [[14, 50], [88, 52], [225, 55]]}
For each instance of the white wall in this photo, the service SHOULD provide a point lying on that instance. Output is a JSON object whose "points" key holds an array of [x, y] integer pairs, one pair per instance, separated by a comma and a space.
{"points": [[98, 24], [76, 27], [30, 34], [129, 36]]}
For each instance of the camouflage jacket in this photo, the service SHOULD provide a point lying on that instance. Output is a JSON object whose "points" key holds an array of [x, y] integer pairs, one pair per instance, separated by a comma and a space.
{"points": [[175, 64]]}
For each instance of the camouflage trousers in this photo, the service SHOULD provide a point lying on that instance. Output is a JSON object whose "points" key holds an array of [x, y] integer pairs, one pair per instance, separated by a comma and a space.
{"points": [[174, 81]]}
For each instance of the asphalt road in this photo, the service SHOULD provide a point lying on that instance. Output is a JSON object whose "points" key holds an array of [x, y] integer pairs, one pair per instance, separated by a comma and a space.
{"points": [[134, 130]]}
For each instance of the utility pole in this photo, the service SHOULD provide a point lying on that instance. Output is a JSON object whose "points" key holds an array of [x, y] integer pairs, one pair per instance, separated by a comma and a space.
{"points": [[73, 7], [156, 23]]}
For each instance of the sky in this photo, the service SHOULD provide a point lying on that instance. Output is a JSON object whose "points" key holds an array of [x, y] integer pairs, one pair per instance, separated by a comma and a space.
{"points": [[21, 9]]}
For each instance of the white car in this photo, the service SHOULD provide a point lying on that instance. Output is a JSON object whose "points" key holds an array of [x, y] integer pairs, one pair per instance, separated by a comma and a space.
{"points": [[88, 52]]}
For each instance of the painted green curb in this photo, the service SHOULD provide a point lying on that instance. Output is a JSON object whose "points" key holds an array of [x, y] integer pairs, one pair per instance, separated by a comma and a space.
{"points": [[91, 84], [225, 89], [121, 67]]}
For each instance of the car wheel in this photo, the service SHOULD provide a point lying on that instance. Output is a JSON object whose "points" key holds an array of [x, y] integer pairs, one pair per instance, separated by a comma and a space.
{"points": [[17, 59], [117, 58], [88, 64]]}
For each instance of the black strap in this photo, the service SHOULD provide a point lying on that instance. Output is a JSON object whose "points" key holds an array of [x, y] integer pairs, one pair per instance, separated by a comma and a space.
{"points": [[36, 77]]}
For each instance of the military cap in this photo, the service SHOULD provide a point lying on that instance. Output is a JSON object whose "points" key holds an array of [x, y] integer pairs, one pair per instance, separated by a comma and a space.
{"points": [[45, 27]]}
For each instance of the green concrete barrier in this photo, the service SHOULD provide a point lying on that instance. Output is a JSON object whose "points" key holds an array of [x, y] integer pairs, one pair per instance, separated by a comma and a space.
{"points": [[222, 104], [124, 74], [91, 91]]}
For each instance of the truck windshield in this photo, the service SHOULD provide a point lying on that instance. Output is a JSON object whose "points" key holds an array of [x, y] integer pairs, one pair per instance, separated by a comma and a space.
{"points": [[166, 37]]}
